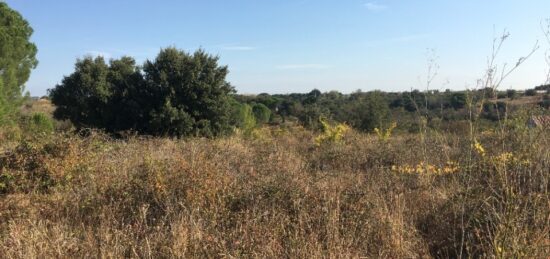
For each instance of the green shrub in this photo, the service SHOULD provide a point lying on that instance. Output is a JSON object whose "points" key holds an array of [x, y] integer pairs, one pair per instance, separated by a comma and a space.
{"points": [[247, 119], [38, 123], [262, 114]]}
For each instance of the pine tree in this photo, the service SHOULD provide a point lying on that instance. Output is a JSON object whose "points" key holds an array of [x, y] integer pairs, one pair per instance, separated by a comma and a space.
{"points": [[17, 59]]}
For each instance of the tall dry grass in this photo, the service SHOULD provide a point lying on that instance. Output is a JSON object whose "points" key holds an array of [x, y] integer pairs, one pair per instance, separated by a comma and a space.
{"points": [[277, 194]]}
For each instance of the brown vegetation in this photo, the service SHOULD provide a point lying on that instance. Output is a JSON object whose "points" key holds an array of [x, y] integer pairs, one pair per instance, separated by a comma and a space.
{"points": [[277, 194]]}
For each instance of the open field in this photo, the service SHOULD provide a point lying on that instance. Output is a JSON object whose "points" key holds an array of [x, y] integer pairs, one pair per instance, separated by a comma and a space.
{"points": [[277, 194], [346, 146]]}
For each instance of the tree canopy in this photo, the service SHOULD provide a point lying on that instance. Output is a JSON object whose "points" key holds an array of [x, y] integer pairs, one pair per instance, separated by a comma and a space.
{"points": [[176, 94], [17, 59]]}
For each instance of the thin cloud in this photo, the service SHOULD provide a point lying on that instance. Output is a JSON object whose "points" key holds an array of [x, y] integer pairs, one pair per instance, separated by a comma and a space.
{"points": [[375, 7], [302, 66]]}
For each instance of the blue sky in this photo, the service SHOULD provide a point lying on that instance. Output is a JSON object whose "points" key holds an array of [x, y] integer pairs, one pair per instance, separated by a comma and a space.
{"points": [[281, 46]]}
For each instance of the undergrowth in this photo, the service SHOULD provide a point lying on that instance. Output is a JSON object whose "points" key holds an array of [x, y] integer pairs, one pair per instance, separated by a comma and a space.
{"points": [[277, 195]]}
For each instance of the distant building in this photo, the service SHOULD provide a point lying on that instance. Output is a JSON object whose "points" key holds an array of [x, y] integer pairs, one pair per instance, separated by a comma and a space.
{"points": [[542, 121]]}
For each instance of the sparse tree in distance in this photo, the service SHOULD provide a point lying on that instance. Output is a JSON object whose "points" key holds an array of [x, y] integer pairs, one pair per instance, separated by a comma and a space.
{"points": [[458, 100], [511, 93], [530, 92], [371, 110]]}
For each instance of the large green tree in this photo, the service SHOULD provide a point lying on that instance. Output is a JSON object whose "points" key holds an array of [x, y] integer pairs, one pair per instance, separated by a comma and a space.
{"points": [[187, 93], [177, 94], [101, 95], [83, 96], [17, 59]]}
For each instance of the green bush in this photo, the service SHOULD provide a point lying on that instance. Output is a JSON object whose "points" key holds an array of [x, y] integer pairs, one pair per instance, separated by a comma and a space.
{"points": [[262, 114], [247, 121], [39, 123]]}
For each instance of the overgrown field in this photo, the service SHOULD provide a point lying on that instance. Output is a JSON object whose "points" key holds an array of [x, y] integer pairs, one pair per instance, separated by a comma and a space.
{"points": [[277, 194]]}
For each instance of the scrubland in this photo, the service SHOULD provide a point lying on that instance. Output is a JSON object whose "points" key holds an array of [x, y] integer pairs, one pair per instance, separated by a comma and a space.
{"points": [[277, 193]]}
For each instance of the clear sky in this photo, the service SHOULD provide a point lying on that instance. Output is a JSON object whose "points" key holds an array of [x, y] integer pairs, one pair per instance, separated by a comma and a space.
{"points": [[281, 46]]}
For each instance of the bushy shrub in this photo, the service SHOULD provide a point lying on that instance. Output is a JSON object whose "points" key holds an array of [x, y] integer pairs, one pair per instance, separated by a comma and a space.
{"points": [[262, 114], [23, 170], [243, 117], [330, 133], [38, 123]]}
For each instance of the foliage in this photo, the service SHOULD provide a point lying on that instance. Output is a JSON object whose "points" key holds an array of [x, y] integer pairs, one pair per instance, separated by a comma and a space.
{"points": [[188, 92], [245, 119], [279, 197], [479, 148], [511, 93], [530, 92], [83, 97], [458, 100], [331, 134], [177, 94], [427, 169], [385, 135], [17, 59], [38, 123], [543, 87], [262, 113], [370, 112]]}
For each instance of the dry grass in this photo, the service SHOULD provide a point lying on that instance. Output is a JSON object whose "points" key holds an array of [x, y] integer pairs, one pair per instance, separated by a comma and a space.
{"points": [[41, 105], [276, 195], [520, 101]]}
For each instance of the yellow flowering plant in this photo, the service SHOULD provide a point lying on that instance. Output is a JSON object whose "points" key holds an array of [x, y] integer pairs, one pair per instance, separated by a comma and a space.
{"points": [[479, 148], [331, 134], [385, 135], [424, 168]]}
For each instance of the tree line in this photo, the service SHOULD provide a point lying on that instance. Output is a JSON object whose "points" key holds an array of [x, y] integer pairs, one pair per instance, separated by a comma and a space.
{"points": [[186, 94]]}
